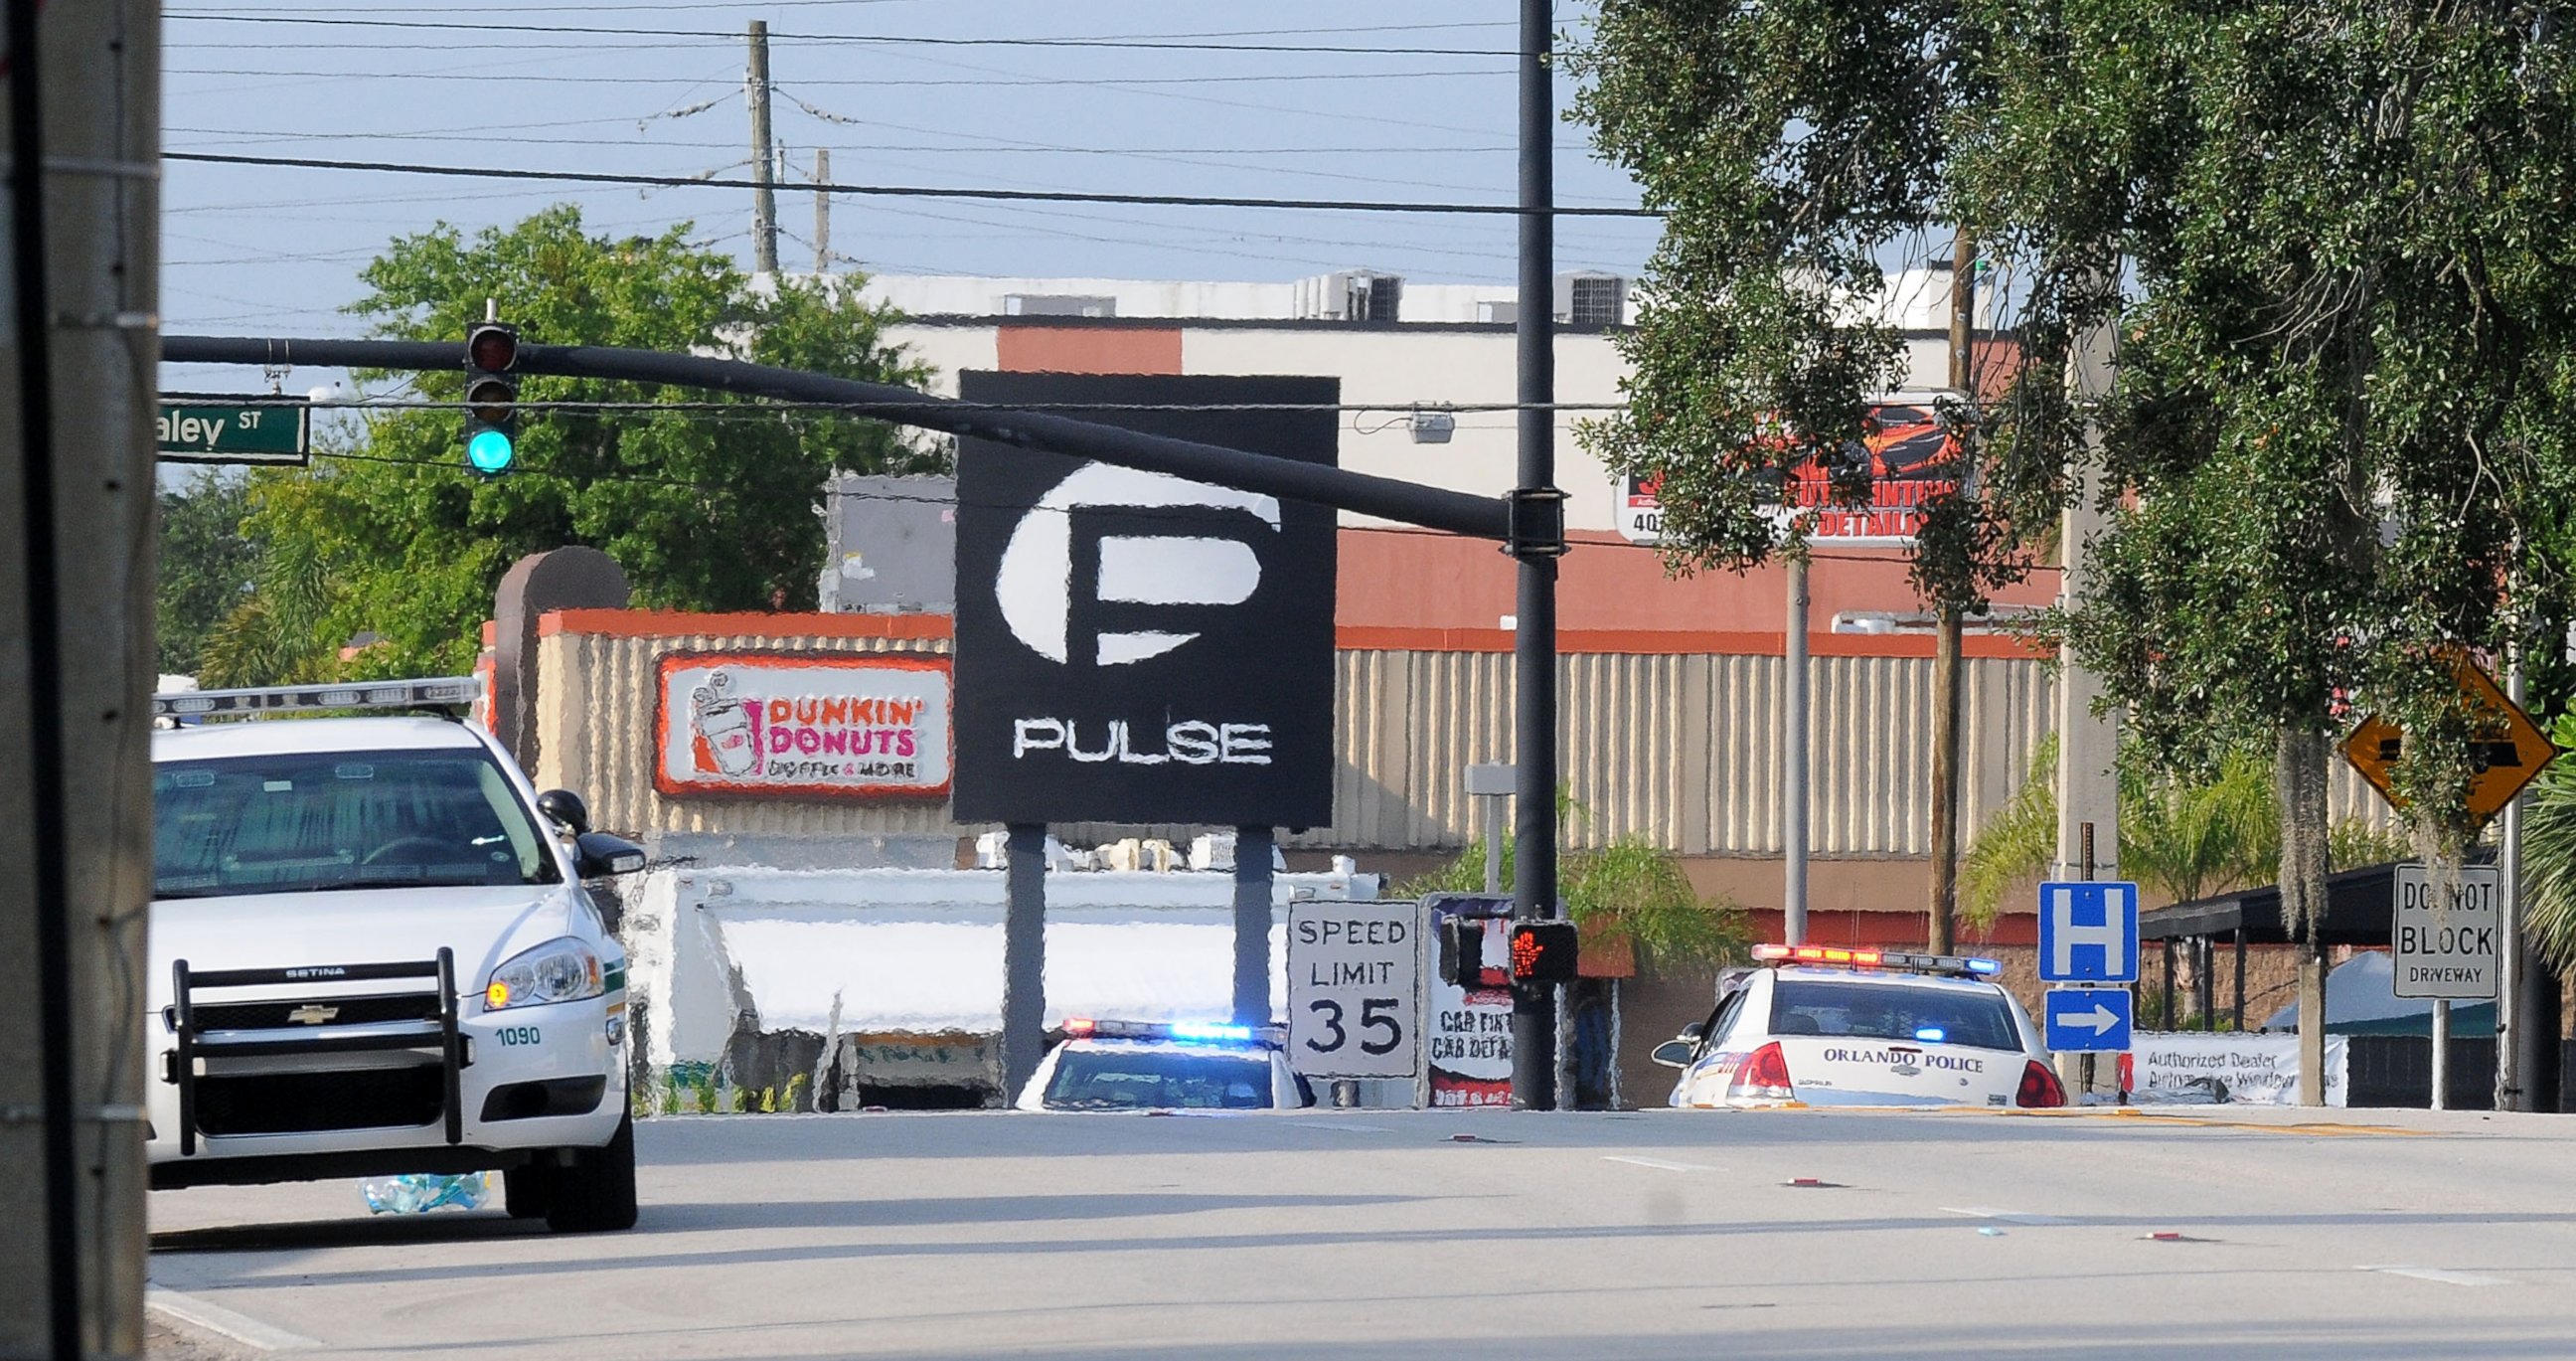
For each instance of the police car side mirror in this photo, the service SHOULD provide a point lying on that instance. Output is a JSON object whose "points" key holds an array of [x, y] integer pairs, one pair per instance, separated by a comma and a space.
{"points": [[600, 854], [565, 807], [1694, 1030], [1673, 1053]]}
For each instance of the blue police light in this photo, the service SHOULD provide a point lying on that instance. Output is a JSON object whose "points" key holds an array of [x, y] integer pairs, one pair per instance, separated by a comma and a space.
{"points": [[1209, 1030], [1985, 966], [1931, 1034], [490, 451]]}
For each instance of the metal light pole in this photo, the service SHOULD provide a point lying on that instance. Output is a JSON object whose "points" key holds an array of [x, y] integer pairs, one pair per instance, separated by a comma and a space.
{"points": [[1538, 538]]}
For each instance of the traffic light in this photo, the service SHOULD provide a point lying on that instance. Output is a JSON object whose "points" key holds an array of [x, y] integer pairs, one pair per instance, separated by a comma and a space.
{"points": [[1542, 952], [491, 397], [1462, 953]]}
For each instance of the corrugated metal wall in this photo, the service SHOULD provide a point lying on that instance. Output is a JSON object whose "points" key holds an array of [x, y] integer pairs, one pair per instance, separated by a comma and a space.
{"points": [[1684, 748]]}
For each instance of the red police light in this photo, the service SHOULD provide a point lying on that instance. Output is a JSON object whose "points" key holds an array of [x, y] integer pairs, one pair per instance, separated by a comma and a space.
{"points": [[1543, 952]]}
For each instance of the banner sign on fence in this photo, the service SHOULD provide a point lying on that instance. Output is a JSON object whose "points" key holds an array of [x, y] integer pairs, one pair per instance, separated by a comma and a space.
{"points": [[2208, 1068]]}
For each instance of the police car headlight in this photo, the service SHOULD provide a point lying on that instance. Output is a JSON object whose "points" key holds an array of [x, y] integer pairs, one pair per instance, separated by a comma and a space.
{"points": [[558, 971]]}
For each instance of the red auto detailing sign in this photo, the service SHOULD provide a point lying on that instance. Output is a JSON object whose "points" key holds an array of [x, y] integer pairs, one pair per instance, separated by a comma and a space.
{"points": [[1910, 461], [803, 725]]}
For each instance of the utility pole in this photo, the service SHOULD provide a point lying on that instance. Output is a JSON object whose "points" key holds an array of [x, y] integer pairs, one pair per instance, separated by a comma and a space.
{"points": [[822, 212], [2511, 958], [1793, 757], [1941, 935], [2088, 794], [1538, 539], [78, 313], [764, 200]]}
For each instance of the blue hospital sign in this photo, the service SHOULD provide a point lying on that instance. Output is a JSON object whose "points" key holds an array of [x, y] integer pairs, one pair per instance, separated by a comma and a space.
{"points": [[2088, 932]]}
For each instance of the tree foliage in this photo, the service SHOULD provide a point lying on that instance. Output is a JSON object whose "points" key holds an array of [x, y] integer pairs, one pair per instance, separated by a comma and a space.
{"points": [[1631, 886], [710, 508], [2328, 238], [208, 565], [2185, 838]]}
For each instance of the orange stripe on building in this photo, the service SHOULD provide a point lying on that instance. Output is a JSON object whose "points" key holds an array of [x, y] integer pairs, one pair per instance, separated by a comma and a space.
{"points": [[1087, 349]]}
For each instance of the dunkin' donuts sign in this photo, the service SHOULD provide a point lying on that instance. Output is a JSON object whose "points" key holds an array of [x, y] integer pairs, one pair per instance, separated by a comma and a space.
{"points": [[803, 724]]}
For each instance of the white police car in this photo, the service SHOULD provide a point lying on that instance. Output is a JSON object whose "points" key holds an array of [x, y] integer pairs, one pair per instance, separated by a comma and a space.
{"points": [[1832, 1027], [372, 954], [1153, 1065]]}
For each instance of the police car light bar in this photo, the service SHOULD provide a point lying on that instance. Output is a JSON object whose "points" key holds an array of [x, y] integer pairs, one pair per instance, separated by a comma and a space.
{"points": [[391, 694], [1202, 1032], [1877, 959]]}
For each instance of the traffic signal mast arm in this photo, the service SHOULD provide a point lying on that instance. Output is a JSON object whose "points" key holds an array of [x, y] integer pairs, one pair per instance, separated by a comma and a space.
{"points": [[1393, 499]]}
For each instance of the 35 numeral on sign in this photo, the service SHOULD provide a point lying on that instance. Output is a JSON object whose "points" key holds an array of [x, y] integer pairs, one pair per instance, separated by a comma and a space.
{"points": [[1376, 1013]]}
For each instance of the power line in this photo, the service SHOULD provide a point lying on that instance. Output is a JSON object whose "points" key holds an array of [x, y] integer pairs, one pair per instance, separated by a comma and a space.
{"points": [[871, 82], [758, 406], [1179, 42], [900, 191]]}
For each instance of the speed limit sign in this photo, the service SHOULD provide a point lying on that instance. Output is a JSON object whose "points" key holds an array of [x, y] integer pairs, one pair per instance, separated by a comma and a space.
{"points": [[1354, 994]]}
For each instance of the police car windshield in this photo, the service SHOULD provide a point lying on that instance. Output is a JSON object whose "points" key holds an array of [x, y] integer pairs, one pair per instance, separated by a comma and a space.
{"points": [[1892, 1011], [310, 821], [1118, 1078]]}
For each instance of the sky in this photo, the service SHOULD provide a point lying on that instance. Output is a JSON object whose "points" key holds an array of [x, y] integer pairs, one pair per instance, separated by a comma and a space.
{"points": [[1421, 109]]}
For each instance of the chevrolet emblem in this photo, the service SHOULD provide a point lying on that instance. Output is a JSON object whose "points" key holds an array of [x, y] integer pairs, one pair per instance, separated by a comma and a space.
{"points": [[312, 1013]]}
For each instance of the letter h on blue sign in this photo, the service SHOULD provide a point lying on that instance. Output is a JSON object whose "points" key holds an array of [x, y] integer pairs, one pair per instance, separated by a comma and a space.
{"points": [[2088, 932]]}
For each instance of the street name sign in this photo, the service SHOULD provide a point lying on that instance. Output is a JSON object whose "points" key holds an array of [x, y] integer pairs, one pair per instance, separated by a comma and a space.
{"points": [[2086, 1020], [1354, 988], [2088, 932], [2511, 748], [2446, 951], [225, 428]]}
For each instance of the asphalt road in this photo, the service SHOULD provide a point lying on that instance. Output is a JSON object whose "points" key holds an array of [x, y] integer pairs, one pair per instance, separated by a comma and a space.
{"points": [[1352, 1234]]}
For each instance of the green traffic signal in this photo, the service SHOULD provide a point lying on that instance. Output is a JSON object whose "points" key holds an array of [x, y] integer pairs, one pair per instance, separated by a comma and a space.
{"points": [[490, 451]]}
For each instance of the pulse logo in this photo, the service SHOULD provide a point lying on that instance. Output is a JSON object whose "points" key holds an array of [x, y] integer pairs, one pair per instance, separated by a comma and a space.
{"points": [[1044, 589]]}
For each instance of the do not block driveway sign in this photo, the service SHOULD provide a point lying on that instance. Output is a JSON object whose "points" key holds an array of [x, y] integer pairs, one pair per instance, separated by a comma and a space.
{"points": [[2446, 950]]}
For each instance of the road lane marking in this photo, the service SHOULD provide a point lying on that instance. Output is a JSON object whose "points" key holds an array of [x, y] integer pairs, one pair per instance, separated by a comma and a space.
{"points": [[2007, 1216], [2440, 1274], [215, 1318], [1659, 1164], [1344, 1126]]}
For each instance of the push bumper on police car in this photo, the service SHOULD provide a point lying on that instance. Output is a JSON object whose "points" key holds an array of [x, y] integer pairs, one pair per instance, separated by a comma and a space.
{"points": [[367, 1068]]}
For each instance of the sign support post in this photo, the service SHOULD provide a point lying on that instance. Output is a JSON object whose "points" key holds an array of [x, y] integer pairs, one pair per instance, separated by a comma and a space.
{"points": [[2442, 1054], [1252, 926], [1024, 959]]}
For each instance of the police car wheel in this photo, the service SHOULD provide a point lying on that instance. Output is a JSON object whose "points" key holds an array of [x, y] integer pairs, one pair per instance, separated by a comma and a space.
{"points": [[529, 1191], [597, 1193]]}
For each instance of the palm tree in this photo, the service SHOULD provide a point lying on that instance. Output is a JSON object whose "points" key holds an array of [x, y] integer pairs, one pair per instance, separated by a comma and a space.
{"points": [[2186, 839], [2549, 855]]}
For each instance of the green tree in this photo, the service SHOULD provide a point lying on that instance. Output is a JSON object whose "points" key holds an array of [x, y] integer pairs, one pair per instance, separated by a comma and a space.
{"points": [[709, 507], [1631, 887], [2327, 235], [2181, 837], [208, 565], [2549, 854]]}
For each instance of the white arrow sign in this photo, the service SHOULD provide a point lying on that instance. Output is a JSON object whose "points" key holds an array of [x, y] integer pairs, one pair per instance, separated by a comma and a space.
{"points": [[2099, 1019]]}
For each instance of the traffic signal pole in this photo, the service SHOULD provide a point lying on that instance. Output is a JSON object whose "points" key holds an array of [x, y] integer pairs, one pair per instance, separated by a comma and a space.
{"points": [[1318, 484], [1537, 544]]}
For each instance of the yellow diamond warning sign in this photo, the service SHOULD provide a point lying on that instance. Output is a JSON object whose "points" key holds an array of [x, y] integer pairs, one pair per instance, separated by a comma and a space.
{"points": [[2511, 748]]}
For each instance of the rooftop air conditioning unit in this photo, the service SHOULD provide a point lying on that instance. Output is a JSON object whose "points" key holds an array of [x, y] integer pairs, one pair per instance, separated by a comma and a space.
{"points": [[1351, 295], [1591, 298]]}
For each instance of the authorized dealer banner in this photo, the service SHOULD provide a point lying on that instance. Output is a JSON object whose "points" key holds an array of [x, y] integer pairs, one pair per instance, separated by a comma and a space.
{"points": [[2204, 1068]]}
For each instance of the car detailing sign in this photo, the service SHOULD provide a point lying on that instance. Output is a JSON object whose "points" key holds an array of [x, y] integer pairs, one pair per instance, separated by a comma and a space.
{"points": [[1354, 994], [1133, 647], [803, 725], [2446, 950], [1469, 1061], [1911, 460]]}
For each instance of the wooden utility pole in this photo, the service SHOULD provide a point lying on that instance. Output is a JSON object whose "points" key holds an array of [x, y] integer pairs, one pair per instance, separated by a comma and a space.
{"points": [[1942, 931], [822, 212], [78, 348], [764, 199]]}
